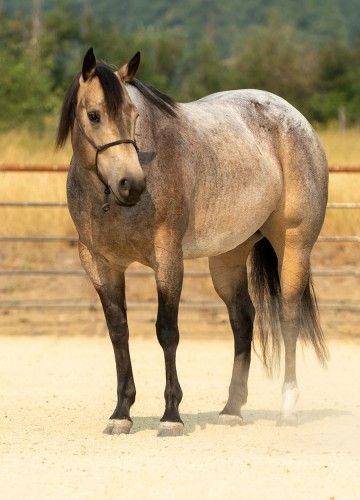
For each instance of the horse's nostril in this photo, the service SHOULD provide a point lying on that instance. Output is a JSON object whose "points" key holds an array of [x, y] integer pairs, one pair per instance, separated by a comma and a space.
{"points": [[124, 185], [130, 189]]}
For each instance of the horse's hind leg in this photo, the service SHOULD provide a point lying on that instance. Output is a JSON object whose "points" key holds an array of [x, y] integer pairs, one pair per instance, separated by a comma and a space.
{"points": [[294, 271], [297, 312], [229, 275]]}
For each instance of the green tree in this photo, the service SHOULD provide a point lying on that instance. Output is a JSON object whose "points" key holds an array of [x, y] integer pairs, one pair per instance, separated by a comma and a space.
{"points": [[189, 49], [25, 91], [203, 71], [25, 86], [60, 47], [276, 57], [337, 83]]}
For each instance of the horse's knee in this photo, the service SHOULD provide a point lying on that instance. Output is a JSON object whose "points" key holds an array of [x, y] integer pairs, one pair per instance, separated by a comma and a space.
{"points": [[117, 324], [167, 334], [167, 330]]}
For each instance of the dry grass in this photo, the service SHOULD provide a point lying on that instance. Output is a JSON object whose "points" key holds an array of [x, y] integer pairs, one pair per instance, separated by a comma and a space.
{"points": [[34, 186], [25, 147], [343, 148]]}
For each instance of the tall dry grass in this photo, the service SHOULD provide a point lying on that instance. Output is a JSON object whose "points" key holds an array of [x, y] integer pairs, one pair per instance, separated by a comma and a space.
{"points": [[25, 147], [342, 147]]}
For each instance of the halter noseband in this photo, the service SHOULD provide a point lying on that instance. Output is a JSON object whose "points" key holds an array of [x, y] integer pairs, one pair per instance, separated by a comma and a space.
{"points": [[99, 149]]}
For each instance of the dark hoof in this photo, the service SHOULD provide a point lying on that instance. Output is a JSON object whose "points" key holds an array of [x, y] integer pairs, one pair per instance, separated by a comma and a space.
{"points": [[230, 420], [115, 426], [167, 429], [288, 420]]}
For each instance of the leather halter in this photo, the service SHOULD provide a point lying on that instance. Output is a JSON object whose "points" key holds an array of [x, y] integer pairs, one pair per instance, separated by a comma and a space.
{"points": [[99, 148]]}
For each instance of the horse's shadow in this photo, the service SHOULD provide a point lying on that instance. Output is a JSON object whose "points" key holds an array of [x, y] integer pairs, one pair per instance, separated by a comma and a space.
{"points": [[200, 421], [192, 421]]}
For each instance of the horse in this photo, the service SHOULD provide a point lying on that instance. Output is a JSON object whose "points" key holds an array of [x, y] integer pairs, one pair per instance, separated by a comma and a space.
{"points": [[238, 176]]}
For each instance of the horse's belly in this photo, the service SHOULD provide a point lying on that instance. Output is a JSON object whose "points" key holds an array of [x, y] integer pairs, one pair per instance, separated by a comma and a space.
{"points": [[216, 235], [221, 224], [212, 244]]}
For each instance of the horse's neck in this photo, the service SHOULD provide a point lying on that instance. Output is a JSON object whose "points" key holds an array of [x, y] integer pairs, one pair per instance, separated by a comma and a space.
{"points": [[142, 106], [150, 121], [84, 183]]}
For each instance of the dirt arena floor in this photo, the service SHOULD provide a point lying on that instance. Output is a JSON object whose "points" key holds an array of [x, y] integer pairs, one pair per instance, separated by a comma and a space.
{"points": [[58, 391]]}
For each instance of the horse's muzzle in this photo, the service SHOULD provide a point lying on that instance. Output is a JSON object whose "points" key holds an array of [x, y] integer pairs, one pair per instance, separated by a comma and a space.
{"points": [[130, 190]]}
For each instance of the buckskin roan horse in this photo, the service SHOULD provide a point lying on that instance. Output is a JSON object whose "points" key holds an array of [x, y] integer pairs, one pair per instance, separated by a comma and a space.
{"points": [[236, 174]]}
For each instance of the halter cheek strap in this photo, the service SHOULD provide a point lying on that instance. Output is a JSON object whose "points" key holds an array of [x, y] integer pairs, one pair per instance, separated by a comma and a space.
{"points": [[99, 149]]}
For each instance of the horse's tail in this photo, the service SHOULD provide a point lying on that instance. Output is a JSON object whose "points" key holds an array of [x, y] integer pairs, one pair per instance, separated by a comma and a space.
{"points": [[265, 284]]}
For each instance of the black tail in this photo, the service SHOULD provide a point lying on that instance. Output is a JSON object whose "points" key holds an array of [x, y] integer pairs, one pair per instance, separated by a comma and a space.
{"points": [[266, 291]]}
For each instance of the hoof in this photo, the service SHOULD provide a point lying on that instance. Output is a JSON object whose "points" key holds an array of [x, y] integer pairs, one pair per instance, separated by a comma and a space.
{"points": [[114, 426], [170, 429], [288, 420], [231, 420]]}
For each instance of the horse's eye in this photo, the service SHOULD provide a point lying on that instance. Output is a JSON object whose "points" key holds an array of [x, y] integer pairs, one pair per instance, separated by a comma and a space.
{"points": [[94, 116]]}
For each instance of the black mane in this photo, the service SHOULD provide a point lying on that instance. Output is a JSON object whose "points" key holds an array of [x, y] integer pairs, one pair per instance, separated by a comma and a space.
{"points": [[113, 98], [156, 97]]}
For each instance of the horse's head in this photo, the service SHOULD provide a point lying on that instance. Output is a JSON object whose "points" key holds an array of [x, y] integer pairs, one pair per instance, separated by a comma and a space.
{"points": [[101, 117]]}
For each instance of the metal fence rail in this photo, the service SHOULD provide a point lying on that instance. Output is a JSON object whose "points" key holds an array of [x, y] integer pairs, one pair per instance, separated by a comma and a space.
{"points": [[33, 168], [345, 272], [143, 304], [64, 168], [33, 204], [50, 204], [78, 304], [73, 239]]}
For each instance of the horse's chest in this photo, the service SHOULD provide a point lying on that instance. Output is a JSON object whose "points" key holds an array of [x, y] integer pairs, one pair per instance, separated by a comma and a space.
{"points": [[109, 238]]}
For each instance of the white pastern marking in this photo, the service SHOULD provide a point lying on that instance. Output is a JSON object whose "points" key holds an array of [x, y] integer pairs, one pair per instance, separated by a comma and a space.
{"points": [[290, 395]]}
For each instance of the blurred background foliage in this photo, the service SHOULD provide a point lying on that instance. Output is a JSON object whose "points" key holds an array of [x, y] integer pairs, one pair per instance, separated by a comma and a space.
{"points": [[308, 52]]}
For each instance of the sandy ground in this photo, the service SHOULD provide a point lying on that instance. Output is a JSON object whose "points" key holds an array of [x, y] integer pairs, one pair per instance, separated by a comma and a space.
{"points": [[57, 393]]}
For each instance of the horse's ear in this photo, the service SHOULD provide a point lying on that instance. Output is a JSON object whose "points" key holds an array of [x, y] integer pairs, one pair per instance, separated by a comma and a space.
{"points": [[89, 65], [128, 71]]}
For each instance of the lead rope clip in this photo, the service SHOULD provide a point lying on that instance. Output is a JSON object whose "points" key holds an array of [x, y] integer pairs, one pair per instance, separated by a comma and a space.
{"points": [[106, 205]]}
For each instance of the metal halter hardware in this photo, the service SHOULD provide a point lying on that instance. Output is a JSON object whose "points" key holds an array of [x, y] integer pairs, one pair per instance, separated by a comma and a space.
{"points": [[99, 149]]}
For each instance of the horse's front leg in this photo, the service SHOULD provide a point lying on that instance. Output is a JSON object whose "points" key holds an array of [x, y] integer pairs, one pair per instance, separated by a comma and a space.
{"points": [[169, 276], [110, 285]]}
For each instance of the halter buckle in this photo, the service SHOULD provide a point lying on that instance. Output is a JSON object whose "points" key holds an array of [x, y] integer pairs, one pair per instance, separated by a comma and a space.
{"points": [[106, 205]]}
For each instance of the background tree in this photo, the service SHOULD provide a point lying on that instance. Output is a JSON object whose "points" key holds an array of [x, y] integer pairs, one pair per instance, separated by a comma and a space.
{"points": [[308, 55], [277, 58]]}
